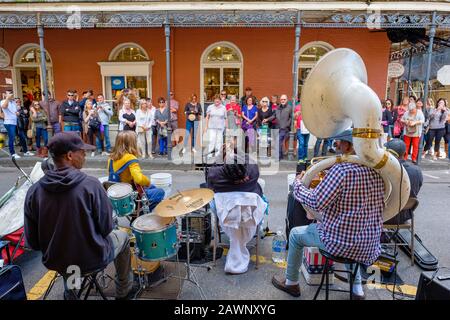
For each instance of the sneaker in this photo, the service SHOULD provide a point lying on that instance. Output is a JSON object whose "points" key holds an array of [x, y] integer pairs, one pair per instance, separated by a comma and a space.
{"points": [[105, 153], [434, 157], [28, 154], [93, 154], [183, 150], [193, 150], [16, 156]]}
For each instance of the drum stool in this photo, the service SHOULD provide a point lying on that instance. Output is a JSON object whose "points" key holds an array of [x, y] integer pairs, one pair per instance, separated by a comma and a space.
{"points": [[89, 282], [325, 273]]}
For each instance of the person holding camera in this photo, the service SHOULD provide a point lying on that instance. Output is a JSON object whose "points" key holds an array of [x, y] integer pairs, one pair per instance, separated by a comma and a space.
{"points": [[10, 112], [105, 112], [91, 125]]}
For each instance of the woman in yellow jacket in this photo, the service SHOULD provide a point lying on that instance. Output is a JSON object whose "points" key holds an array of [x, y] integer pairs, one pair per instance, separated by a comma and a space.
{"points": [[123, 166]]}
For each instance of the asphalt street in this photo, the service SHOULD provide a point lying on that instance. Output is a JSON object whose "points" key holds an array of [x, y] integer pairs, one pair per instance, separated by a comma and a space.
{"points": [[432, 225]]}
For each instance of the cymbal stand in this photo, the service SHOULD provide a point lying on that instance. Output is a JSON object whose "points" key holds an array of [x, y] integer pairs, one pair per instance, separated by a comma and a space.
{"points": [[190, 275]]}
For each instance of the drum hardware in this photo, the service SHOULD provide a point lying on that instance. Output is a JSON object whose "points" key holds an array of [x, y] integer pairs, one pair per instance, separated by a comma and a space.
{"points": [[180, 204]]}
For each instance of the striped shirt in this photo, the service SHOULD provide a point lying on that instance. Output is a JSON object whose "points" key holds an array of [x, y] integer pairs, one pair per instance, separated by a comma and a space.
{"points": [[351, 201]]}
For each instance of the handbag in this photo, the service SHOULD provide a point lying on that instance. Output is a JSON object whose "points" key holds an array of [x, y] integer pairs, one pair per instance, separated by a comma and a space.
{"points": [[30, 133], [162, 131], [192, 117]]}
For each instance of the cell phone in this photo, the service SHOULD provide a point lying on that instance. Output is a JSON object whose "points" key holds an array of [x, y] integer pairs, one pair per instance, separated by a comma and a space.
{"points": [[444, 277]]}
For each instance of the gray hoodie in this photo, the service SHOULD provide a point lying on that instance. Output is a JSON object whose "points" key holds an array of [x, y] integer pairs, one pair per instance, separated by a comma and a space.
{"points": [[105, 113]]}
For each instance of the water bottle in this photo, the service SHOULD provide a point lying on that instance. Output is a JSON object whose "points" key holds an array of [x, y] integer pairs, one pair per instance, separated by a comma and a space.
{"points": [[279, 248]]}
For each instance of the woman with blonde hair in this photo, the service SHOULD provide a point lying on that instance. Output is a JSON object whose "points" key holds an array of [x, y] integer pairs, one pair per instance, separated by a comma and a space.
{"points": [[92, 125], [40, 121], [123, 166], [144, 119]]}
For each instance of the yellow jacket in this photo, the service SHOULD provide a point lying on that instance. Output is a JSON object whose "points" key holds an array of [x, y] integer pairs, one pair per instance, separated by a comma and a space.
{"points": [[133, 173]]}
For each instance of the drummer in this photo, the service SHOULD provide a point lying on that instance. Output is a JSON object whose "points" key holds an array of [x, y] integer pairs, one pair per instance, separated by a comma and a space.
{"points": [[126, 151]]}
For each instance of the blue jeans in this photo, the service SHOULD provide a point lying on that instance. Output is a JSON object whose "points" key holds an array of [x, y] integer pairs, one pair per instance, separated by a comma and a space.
{"points": [[56, 127], [302, 147], [300, 237], [71, 127], [41, 132], [189, 126], [154, 195], [11, 137], [162, 144], [23, 140], [324, 147], [106, 139]]}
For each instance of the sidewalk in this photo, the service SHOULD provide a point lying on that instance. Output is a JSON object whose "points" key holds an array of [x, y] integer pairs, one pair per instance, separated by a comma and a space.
{"points": [[161, 163]]}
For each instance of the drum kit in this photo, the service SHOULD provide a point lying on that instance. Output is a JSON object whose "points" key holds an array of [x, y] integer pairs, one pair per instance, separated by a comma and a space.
{"points": [[155, 235]]}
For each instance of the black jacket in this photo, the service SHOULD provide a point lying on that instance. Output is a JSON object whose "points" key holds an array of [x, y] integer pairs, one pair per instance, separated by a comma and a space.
{"points": [[23, 119], [70, 113], [416, 181], [219, 182], [68, 217]]}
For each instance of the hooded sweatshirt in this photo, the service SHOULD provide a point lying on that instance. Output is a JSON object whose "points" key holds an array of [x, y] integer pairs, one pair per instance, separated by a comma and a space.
{"points": [[68, 216]]}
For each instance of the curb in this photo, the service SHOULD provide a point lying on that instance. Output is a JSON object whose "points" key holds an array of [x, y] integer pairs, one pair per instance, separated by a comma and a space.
{"points": [[163, 164]]}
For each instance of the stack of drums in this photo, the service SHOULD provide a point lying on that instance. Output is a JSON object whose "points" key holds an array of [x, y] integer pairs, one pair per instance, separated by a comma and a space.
{"points": [[162, 180]]}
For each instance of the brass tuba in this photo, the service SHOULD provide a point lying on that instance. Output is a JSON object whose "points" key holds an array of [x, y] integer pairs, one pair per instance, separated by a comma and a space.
{"points": [[335, 97]]}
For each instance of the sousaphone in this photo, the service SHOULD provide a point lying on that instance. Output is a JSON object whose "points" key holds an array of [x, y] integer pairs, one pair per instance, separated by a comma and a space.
{"points": [[336, 97]]}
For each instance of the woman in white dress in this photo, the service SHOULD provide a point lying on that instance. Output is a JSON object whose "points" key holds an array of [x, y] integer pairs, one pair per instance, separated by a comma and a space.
{"points": [[144, 119]]}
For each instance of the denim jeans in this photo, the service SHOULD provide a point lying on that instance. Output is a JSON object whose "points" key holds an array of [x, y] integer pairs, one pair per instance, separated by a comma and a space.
{"points": [[302, 147], [190, 125], [154, 195], [105, 138], [56, 127], [325, 147], [73, 128], [162, 144], [11, 137], [41, 132], [300, 237], [23, 140]]}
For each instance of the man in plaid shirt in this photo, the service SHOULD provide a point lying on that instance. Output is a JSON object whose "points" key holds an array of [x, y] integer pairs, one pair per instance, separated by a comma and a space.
{"points": [[351, 202]]}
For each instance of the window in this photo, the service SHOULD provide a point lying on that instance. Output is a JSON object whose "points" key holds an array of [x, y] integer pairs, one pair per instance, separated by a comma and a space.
{"points": [[310, 53], [33, 55], [221, 69], [128, 52]]}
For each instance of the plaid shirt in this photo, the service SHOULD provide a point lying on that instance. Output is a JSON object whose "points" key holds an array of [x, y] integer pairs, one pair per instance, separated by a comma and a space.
{"points": [[351, 201]]}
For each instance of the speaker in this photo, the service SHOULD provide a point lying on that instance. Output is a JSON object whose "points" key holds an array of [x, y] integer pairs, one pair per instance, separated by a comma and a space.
{"points": [[434, 286]]}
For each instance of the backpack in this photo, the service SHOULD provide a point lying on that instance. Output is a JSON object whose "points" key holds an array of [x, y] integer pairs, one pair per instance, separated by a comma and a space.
{"points": [[115, 176], [94, 123]]}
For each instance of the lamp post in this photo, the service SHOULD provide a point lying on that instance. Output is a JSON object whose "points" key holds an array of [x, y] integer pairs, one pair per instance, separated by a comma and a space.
{"points": [[169, 127]]}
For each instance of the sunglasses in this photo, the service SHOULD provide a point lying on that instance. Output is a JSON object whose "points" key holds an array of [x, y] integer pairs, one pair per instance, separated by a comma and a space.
{"points": [[265, 101], [70, 95]]}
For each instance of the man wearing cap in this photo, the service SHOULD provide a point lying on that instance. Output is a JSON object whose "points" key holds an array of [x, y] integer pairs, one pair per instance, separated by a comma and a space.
{"points": [[350, 200], [398, 148], [68, 217]]}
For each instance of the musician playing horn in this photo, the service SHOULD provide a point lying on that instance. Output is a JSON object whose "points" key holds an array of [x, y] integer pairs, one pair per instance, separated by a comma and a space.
{"points": [[350, 200]]}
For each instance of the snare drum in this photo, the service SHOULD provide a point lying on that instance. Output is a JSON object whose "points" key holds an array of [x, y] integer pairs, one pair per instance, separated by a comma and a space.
{"points": [[156, 237], [122, 198]]}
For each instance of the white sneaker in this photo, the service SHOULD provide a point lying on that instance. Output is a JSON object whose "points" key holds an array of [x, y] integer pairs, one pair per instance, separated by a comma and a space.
{"points": [[105, 153], [28, 154], [193, 150], [16, 156], [92, 154], [183, 150]]}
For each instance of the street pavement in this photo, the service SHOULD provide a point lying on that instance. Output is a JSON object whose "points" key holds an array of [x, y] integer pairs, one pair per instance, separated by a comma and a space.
{"points": [[432, 221]]}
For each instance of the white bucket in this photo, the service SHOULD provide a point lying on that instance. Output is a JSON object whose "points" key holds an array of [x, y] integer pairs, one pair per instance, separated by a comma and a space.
{"points": [[162, 180], [290, 180]]}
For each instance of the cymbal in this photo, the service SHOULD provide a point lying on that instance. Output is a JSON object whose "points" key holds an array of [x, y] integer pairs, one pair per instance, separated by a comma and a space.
{"points": [[184, 202]]}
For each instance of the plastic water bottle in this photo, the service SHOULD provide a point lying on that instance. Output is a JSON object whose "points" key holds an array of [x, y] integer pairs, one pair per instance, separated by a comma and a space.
{"points": [[279, 248]]}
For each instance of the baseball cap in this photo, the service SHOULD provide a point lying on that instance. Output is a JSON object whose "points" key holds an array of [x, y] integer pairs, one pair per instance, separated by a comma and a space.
{"points": [[396, 146], [346, 135], [63, 142]]}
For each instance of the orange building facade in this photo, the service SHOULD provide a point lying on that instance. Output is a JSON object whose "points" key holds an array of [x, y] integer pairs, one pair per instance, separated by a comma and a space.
{"points": [[261, 58]]}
